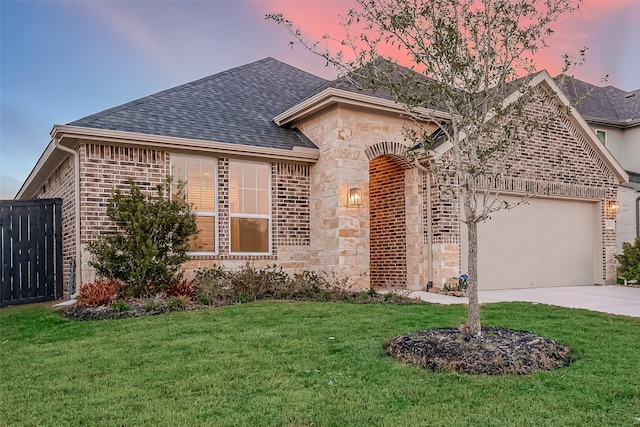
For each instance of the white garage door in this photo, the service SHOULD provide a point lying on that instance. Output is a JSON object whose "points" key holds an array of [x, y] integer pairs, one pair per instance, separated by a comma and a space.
{"points": [[548, 242]]}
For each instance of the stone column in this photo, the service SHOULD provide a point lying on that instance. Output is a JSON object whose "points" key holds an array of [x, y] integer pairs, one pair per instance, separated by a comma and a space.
{"points": [[413, 211]]}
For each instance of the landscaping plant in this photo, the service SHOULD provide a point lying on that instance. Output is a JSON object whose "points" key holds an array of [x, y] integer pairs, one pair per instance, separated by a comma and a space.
{"points": [[630, 260], [149, 242], [99, 292]]}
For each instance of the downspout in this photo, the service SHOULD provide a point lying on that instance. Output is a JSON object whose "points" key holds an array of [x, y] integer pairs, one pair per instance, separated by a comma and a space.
{"points": [[638, 217], [76, 163], [429, 225]]}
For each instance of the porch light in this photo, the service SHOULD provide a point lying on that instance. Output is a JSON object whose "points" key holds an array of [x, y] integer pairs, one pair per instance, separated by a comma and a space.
{"points": [[355, 196], [613, 207]]}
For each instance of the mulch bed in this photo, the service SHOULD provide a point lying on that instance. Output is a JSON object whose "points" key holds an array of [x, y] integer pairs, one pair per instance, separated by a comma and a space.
{"points": [[497, 351], [136, 309]]}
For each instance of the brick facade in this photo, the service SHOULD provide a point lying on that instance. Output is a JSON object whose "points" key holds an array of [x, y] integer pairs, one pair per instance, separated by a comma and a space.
{"points": [[384, 241], [62, 184], [388, 233], [106, 167], [558, 162]]}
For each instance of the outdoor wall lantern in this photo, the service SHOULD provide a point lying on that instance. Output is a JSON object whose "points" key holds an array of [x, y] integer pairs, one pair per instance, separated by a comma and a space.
{"points": [[355, 197], [613, 207]]}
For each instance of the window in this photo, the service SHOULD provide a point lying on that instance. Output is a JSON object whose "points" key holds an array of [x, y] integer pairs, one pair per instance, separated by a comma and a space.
{"points": [[602, 136], [250, 207], [199, 173]]}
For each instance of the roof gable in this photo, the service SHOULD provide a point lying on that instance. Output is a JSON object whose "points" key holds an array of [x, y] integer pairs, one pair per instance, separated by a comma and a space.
{"points": [[235, 106], [583, 133]]}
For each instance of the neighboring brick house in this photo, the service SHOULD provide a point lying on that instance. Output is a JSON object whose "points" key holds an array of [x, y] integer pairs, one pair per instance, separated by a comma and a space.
{"points": [[614, 116], [285, 167]]}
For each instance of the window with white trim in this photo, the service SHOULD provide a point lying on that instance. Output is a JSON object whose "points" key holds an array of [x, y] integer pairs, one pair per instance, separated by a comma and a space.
{"points": [[602, 136], [249, 207], [200, 191]]}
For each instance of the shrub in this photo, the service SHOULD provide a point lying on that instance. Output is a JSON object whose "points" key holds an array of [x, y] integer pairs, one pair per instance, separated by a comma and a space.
{"points": [[182, 287], [150, 242], [249, 283], [149, 306], [308, 284], [205, 300], [212, 284], [630, 260], [99, 292], [245, 284], [119, 306], [215, 285], [178, 302]]}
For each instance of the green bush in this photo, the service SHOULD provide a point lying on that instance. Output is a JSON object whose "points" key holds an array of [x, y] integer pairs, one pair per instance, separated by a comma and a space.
{"points": [[150, 241], [120, 306], [630, 260], [179, 302]]}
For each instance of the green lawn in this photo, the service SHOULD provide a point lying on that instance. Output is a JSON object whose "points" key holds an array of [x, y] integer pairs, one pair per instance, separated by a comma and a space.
{"points": [[303, 364]]}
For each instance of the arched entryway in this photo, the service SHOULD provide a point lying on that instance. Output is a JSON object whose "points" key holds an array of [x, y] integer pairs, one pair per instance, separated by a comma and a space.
{"points": [[387, 222]]}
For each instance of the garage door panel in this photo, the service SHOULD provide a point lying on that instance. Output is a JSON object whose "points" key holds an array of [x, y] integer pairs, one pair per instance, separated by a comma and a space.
{"points": [[547, 242]]}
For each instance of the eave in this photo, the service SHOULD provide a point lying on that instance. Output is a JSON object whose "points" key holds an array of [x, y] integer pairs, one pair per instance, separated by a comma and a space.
{"points": [[69, 136], [618, 124], [331, 96]]}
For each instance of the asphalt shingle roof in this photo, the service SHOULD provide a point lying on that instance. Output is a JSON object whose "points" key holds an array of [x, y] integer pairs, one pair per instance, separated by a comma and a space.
{"points": [[235, 106], [397, 73], [607, 103]]}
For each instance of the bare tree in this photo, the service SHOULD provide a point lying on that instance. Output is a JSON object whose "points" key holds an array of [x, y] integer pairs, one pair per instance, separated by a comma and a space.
{"points": [[472, 60]]}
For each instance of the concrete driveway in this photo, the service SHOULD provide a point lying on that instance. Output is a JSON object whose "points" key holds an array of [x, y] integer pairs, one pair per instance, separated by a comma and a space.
{"points": [[607, 299]]}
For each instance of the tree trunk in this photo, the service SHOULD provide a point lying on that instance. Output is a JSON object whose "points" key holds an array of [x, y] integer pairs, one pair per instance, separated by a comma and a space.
{"points": [[472, 288]]}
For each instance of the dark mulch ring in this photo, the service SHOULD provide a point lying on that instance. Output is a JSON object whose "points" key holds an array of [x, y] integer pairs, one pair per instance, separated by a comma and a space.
{"points": [[497, 351]]}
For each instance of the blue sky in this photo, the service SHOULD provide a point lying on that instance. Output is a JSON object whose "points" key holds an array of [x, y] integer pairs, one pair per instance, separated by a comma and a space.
{"points": [[63, 60]]}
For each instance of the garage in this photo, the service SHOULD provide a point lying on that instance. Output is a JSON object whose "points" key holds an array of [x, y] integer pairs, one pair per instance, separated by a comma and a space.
{"points": [[547, 242]]}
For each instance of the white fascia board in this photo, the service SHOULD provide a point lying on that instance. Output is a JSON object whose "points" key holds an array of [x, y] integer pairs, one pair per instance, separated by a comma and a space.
{"points": [[331, 96], [298, 154], [43, 168]]}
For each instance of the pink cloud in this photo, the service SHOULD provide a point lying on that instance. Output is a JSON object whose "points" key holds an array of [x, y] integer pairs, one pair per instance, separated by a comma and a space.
{"points": [[603, 26]]}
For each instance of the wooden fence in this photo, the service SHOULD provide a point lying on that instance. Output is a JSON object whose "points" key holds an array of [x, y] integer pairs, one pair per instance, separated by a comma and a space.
{"points": [[30, 251]]}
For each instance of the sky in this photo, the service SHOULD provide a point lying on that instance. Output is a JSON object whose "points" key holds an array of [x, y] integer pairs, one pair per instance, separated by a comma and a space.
{"points": [[64, 60]]}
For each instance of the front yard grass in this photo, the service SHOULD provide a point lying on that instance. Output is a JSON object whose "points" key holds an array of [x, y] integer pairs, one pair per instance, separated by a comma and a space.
{"points": [[303, 364]]}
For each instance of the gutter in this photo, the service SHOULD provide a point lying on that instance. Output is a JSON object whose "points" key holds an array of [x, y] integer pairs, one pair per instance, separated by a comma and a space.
{"points": [[297, 154], [618, 124], [76, 174], [638, 217]]}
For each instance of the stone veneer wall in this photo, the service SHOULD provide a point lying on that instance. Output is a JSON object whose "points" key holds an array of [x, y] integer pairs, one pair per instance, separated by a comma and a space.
{"points": [[62, 184], [105, 167], [348, 138], [388, 241]]}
